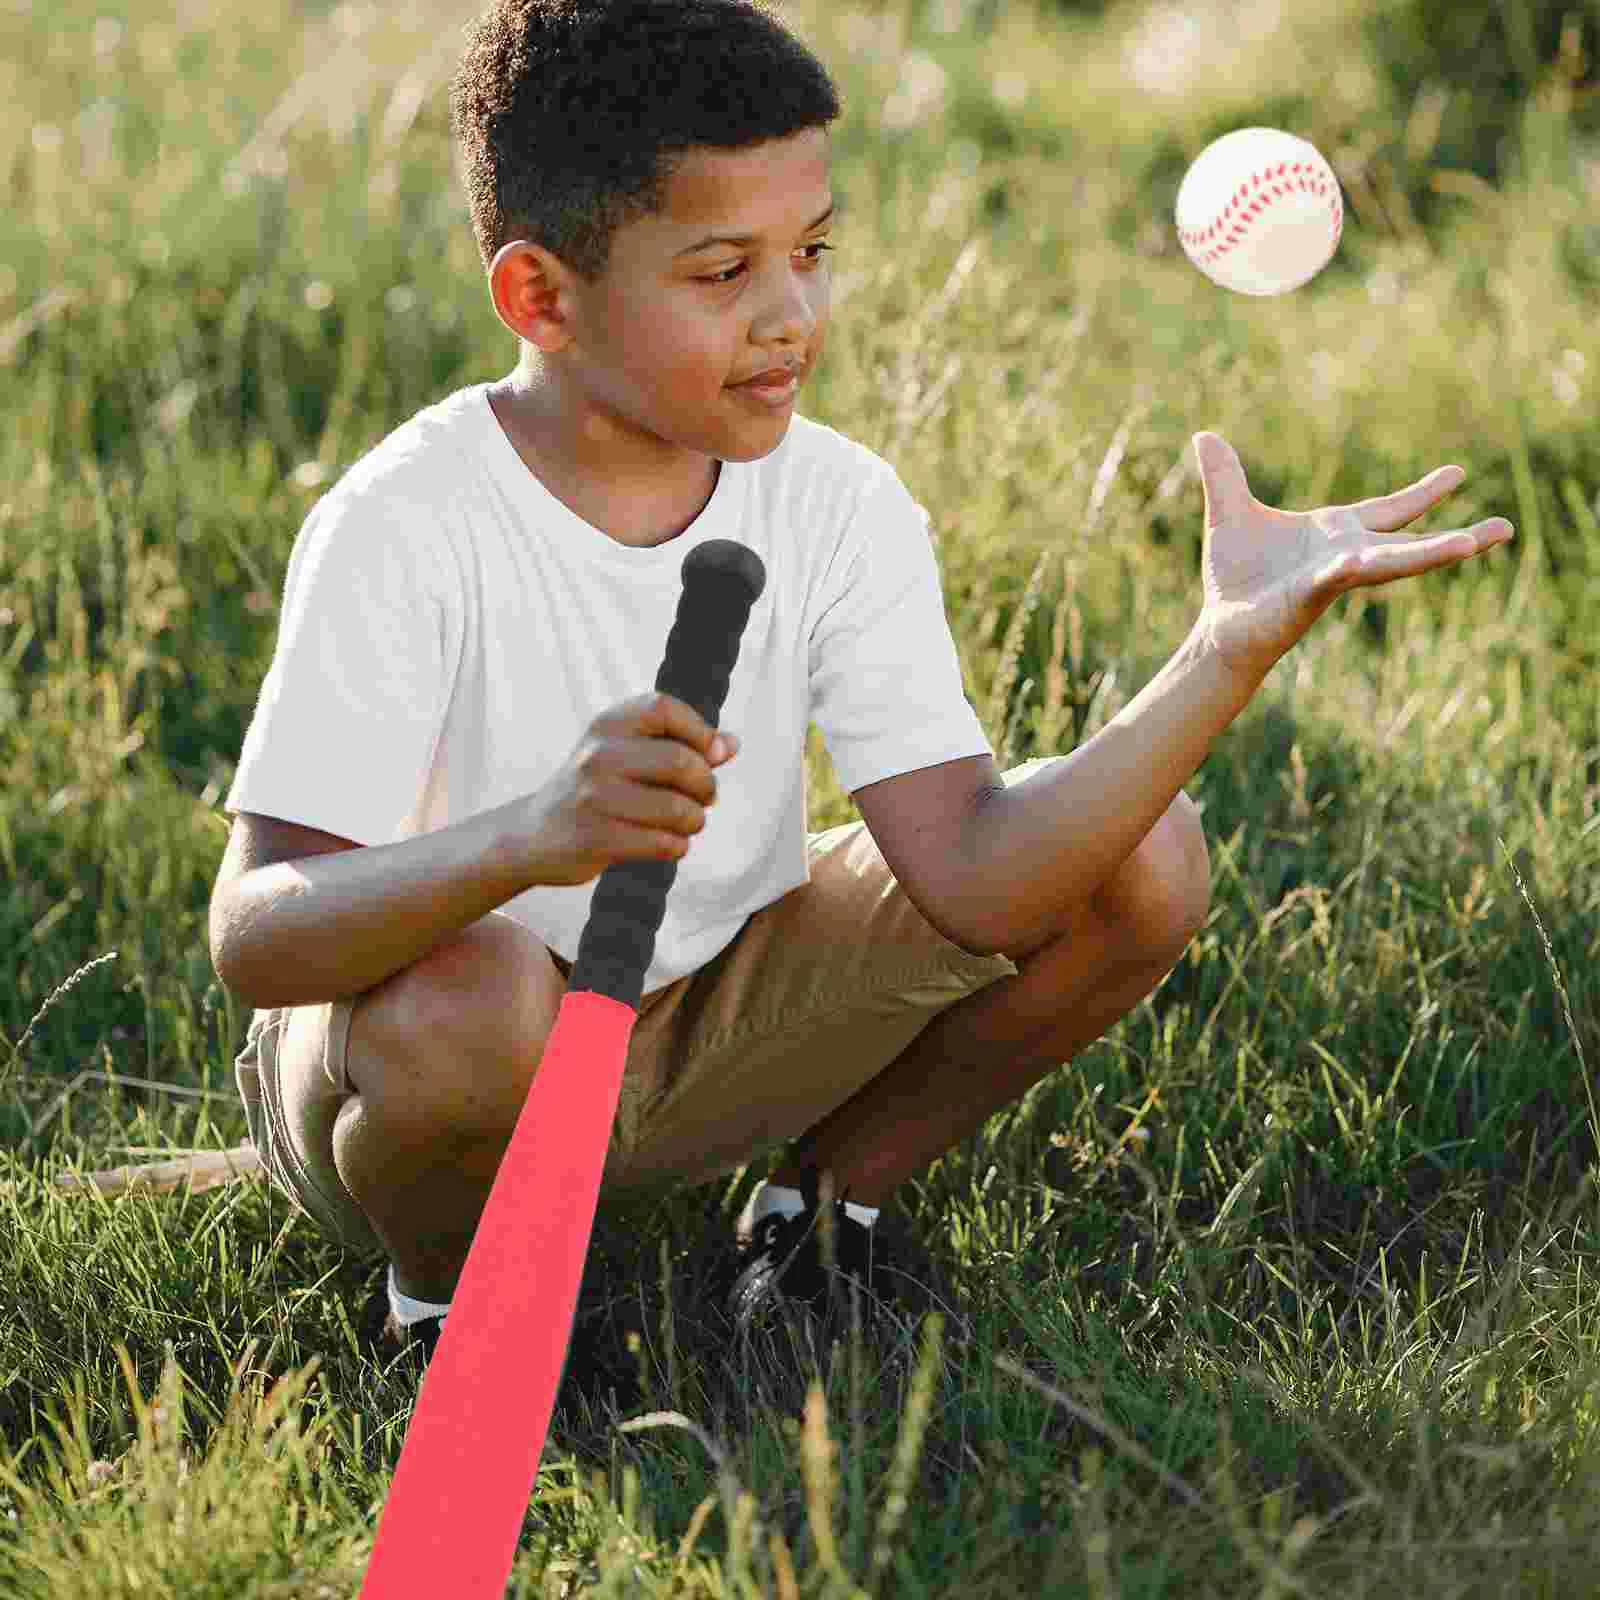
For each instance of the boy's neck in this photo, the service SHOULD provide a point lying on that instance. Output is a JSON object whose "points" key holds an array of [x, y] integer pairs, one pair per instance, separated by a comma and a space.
{"points": [[632, 510]]}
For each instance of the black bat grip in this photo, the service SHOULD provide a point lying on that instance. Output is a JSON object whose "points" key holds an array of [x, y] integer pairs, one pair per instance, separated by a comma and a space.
{"points": [[722, 580]]}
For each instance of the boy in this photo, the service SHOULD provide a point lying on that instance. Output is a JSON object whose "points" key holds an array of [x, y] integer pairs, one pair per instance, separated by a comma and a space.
{"points": [[451, 743]]}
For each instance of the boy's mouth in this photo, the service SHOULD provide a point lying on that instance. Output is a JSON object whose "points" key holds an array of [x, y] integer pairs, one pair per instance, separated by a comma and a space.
{"points": [[772, 378], [774, 388]]}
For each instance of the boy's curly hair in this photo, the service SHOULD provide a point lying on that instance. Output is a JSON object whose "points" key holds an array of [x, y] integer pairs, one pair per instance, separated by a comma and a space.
{"points": [[570, 113]]}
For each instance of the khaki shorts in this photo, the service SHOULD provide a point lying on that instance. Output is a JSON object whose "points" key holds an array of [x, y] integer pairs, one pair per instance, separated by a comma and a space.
{"points": [[814, 997]]}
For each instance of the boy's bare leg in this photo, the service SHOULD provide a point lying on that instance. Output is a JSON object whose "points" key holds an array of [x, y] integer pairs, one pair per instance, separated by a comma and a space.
{"points": [[986, 1051], [428, 1051]]}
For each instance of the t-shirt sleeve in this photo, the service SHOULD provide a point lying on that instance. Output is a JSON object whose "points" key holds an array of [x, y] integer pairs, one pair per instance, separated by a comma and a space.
{"points": [[350, 711], [886, 688]]}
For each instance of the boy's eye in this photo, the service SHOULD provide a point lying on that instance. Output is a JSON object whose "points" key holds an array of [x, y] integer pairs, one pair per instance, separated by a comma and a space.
{"points": [[818, 245]]}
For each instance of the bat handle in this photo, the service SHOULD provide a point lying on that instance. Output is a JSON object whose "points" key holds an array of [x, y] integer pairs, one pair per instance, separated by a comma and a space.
{"points": [[722, 580]]}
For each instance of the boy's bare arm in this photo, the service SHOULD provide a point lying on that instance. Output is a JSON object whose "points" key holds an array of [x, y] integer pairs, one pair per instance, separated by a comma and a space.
{"points": [[1051, 840], [1060, 833], [325, 927]]}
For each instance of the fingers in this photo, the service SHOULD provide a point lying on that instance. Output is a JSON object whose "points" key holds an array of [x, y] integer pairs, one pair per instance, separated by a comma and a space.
{"points": [[1389, 512], [670, 764], [1386, 562], [665, 714], [653, 764], [650, 805], [660, 715]]}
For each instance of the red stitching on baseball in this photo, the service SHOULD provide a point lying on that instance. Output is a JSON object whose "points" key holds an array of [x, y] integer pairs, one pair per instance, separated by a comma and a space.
{"points": [[1311, 183]]}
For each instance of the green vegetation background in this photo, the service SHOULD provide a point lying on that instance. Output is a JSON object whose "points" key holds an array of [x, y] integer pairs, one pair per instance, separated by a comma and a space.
{"points": [[1287, 1285]]}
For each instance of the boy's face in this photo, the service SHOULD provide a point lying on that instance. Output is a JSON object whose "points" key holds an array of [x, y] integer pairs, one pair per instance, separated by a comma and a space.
{"points": [[654, 352]]}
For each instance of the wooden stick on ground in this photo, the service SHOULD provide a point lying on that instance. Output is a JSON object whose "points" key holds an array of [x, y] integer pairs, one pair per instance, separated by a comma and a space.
{"points": [[200, 1169]]}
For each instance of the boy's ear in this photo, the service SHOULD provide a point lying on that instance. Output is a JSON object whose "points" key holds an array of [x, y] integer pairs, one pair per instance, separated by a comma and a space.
{"points": [[525, 287]]}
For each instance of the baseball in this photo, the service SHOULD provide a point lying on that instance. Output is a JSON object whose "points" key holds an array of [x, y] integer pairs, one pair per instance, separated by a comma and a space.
{"points": [[1260, 212]]}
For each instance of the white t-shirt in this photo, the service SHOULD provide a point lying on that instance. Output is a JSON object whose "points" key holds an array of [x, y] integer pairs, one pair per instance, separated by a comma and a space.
{"points": [[450, 629]]}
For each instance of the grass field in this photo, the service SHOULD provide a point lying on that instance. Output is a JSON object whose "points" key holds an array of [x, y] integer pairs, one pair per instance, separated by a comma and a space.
{"points": [[1288, 1285]]}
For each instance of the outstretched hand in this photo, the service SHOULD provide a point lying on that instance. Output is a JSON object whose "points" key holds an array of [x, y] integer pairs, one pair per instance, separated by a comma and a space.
{"points": [[1268, 575]]}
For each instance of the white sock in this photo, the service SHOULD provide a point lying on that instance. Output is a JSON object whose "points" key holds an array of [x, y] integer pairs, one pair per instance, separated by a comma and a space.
{"points": [[790, 1202], [406, 1310]]}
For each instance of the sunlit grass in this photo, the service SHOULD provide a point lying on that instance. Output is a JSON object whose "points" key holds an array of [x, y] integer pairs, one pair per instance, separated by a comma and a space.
{"points": [[1286, 1286]]}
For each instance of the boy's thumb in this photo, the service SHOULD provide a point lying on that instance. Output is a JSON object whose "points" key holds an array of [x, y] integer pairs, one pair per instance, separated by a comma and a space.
{"points": [[1222, 479]]}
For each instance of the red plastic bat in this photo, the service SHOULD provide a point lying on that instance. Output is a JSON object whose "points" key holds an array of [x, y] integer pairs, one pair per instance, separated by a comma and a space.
{"points": [[455, 1508]]}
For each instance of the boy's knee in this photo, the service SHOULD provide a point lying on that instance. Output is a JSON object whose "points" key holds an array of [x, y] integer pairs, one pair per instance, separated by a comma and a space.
{"points": [[451, 1042], [1162, 895]]}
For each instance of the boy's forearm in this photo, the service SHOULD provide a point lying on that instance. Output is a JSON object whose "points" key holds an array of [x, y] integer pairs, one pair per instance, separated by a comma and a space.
{"points": [[329, 926], [1051, 840]]}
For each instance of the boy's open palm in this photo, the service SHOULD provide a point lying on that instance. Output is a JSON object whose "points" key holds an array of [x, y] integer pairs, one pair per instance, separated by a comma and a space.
{"points": [[1268, 575]]}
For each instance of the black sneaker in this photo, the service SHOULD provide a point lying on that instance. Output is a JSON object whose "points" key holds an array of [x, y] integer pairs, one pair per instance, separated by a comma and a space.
{"points": [[782, 1260]]}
